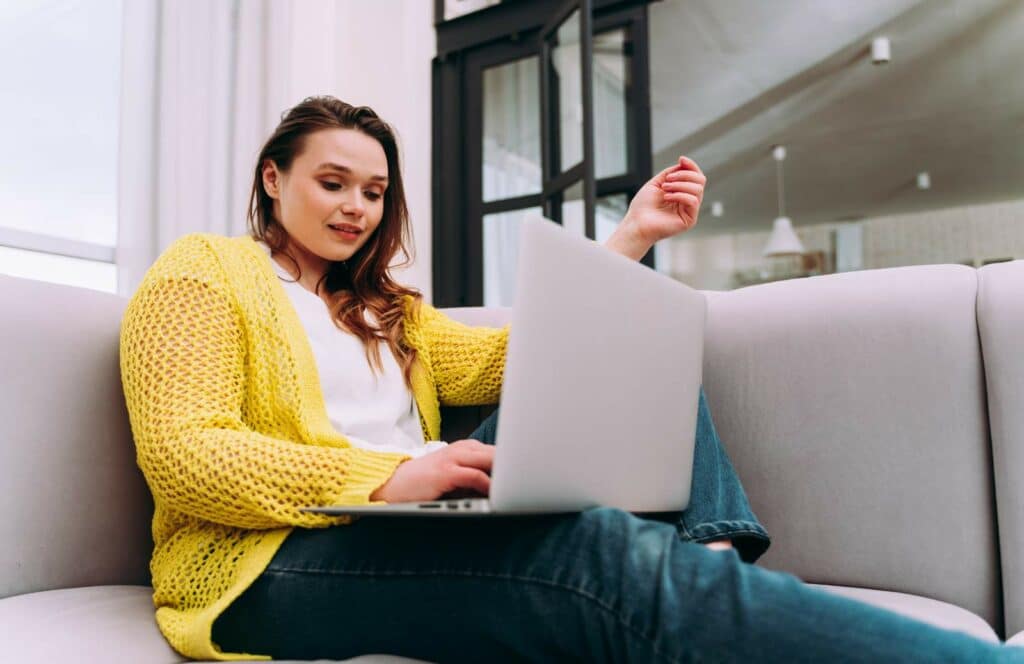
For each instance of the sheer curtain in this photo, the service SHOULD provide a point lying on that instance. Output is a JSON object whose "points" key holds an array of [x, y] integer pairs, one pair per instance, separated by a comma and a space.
{"points": [[205, 82], [196, 103]]}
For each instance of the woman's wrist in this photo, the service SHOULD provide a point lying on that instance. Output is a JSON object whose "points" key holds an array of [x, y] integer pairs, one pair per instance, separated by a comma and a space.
{"points": [[628, 241], [377, 494]]}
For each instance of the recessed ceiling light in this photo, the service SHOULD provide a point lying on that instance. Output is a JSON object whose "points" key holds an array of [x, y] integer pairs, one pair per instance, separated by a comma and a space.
{"points": [[881, 50], [924, 180]]}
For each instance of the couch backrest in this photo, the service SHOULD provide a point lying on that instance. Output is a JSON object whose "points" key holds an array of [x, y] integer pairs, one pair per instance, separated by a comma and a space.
{"points": [[853, 407], [75, 510], [486, 316], [1001, 324]]}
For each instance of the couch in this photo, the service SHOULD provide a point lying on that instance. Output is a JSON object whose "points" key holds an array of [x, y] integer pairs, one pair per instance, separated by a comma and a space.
{"points": [[874, 418]]}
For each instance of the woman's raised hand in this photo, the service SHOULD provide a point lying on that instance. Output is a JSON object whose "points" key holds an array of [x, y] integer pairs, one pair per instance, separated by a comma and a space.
{"points": [[460, 466], [667, 204]]}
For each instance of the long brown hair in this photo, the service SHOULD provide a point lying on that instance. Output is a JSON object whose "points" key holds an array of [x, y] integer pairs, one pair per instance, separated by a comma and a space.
{"points": [[363, 282]]}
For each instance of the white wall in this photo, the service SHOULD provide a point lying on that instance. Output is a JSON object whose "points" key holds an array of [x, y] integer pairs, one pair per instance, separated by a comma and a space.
{"points": [[965, 234], [969, 233], [369, 54]]}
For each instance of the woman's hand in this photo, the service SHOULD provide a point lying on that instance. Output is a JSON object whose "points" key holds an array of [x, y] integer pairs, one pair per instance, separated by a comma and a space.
{"points": [[464, 464], [667, 204]]}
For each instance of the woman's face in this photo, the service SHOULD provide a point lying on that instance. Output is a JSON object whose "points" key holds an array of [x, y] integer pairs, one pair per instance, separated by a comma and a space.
{"points": [[331, 200]]}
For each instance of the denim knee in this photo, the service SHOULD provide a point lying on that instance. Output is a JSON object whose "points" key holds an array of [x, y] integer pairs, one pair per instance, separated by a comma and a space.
{"points": [[615, 539], [487, 431]]}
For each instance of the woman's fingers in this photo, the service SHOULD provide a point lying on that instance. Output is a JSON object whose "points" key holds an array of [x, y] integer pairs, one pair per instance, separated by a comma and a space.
{"points": [[685, 187], [470, 478], [474, 454], [686, 176], [688, 201], [688, 163], [685, 169], [663, 175], [694, 188]]}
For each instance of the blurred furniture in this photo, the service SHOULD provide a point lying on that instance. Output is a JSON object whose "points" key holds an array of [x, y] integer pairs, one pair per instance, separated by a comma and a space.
{"points": [[874, 417], [808, 264]]}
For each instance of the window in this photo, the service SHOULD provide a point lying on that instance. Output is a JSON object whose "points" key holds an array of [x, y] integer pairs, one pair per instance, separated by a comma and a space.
{"points": [[538, 107], [59, 127]]}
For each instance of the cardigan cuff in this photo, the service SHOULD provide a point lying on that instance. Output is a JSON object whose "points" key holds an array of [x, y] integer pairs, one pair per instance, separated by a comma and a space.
{"points": [[367, 472]]}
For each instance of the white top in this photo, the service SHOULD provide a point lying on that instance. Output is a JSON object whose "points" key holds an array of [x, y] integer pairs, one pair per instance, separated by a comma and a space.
{"points": [[373, 410]]}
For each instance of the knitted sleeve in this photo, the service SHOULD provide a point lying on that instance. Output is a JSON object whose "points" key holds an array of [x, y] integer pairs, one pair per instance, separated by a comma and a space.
{"points": [[467, 363], [183, 369]]}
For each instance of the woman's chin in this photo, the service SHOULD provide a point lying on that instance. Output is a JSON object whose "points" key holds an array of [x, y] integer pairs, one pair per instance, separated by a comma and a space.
{"points": [[334, 253]]}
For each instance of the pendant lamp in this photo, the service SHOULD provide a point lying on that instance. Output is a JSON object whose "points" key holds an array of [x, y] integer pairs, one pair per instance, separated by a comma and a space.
{"points": [[783, 241]]}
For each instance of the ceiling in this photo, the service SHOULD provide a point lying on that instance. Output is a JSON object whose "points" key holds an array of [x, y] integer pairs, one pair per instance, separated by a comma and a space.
{"points": [[731, 78]]}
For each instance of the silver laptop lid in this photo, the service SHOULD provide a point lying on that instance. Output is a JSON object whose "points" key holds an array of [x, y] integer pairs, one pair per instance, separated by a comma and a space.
{"points": [[599, 401]]}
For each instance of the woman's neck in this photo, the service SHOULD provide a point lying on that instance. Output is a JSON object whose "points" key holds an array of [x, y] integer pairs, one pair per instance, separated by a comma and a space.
{"points": [[309, 270], [307, 279]]}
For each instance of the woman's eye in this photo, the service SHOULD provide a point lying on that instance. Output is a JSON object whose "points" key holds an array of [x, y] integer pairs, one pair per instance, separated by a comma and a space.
{"points": [[373, 196], [331, 186]]}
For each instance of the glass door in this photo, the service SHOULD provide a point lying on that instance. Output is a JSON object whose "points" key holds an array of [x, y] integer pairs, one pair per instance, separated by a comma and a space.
{"points": [[567, 117], [534, 156], [504, 167], [515, 122]]}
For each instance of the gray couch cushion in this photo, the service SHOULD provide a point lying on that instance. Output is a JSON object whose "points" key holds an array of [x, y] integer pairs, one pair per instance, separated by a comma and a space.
{"points": [[81, 510], [109, 624], [97, 624], [853, 408], [931, 611], [1001, 324]]}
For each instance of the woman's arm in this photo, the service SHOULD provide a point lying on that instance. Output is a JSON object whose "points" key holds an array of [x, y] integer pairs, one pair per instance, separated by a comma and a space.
{"points": [[467, 363], [183, 364]]}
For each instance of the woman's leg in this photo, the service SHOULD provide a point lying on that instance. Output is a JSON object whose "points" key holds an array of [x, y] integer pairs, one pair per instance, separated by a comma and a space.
{"points": [[718, 506], [602, 585]]}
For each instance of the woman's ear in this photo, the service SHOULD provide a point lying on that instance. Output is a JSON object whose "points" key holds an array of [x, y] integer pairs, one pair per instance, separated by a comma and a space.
{"points": [[271, 179]]}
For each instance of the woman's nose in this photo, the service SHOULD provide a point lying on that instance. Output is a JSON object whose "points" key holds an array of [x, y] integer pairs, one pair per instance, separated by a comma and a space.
{"points": [[352, 205]]}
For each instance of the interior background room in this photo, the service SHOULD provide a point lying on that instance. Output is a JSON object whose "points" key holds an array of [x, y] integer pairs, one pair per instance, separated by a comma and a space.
{"points": [[131, 123]]}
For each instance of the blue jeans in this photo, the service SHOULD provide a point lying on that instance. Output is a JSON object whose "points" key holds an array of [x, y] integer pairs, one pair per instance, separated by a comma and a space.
{"points": [[601, 585]]}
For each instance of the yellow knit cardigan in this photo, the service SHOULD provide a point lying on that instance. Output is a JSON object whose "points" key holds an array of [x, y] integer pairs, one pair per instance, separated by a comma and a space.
{"points": [[230, 425]]}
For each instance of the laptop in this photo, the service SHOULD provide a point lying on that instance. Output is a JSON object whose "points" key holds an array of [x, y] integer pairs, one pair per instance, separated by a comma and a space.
{"points": [[599, 399]]}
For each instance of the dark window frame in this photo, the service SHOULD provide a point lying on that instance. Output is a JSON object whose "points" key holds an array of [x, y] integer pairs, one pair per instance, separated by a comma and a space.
{"points": [[491, 37]]}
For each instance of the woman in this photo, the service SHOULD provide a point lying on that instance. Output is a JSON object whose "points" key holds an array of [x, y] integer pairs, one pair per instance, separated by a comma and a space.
{"points": [[248, 403]]}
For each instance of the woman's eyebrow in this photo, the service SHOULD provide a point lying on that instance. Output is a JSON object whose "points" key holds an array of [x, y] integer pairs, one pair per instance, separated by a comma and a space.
{"points": [[345, 169]]}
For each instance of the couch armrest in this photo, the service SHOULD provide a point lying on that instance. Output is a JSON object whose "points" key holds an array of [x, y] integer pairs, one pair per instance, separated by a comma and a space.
{"points": [[75, 509]]}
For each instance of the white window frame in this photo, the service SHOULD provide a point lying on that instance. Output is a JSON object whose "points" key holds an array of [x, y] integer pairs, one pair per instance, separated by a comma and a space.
{"points": [[48, 244]]}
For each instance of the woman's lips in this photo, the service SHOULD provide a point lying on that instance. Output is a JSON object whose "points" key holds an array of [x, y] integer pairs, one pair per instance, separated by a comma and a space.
{"points": [[345, 232]]}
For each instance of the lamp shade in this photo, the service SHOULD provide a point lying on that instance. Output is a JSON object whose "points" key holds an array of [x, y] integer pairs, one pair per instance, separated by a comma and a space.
{"points": [[783, 241]]}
